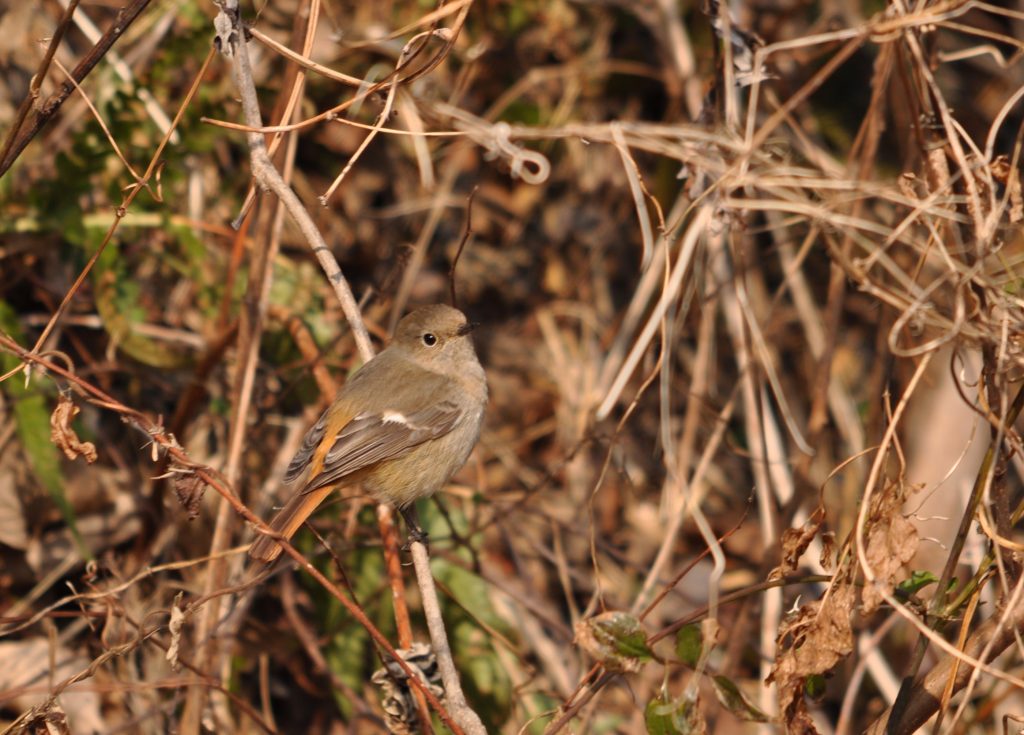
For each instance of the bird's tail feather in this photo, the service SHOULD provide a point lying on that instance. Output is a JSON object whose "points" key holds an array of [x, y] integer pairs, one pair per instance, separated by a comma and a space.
{"points": [[287, 521]]}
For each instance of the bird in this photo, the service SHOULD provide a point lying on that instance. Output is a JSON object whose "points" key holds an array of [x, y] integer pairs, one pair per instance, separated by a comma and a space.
{"points": [[402, 425]]}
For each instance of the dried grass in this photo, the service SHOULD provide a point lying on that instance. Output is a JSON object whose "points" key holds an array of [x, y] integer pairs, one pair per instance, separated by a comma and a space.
{"points": [[697, 334]]}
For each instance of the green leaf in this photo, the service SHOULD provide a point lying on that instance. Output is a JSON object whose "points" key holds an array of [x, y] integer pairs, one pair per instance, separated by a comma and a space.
{"points": [[660, 717], [665, 716], [918, 580], [616, 639], [736, 702], [690, 644], [814, 685]]}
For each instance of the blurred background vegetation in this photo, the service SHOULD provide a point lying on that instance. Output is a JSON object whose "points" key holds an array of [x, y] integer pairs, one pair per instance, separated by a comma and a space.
{"points": [[816, 220]]}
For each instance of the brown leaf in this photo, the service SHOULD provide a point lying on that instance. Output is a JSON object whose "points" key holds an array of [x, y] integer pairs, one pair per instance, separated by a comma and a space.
{"points": [[189, 489], [1001, 169], [1016, 199], [828, 551], [812, 641], [795, 542], [174, 626], [396, 693], [890, 542], [1009, 176], [63, 436]]}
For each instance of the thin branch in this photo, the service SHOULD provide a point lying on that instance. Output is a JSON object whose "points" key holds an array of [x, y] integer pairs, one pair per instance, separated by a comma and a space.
{"points": [[467, 232], [37, 80], [264, 171], [125, 17], [460, 711]]}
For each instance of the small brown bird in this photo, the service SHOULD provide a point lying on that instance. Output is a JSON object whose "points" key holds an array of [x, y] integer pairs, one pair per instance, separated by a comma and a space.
{"points": [[402, 424]]}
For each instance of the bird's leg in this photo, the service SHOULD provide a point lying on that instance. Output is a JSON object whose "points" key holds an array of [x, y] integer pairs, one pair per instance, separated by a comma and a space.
{"points": [[412, 522]]}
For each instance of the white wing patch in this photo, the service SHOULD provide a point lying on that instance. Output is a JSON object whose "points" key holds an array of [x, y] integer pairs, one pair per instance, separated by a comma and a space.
{"points": [[394, 417]]}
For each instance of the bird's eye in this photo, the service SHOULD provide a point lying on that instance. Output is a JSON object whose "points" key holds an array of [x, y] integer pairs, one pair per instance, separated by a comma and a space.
{"points": [[429, 339]]}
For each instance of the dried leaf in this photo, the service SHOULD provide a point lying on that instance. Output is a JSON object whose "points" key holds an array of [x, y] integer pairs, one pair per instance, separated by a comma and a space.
{"points": [[1016, 213], [811, 641], [174, 626], [1009, 176], [190, 490], [906, 183], [890, 543], [31, 416], [397, 698], [795, 542], [828, 551], [1001, 169], [64, 436]]}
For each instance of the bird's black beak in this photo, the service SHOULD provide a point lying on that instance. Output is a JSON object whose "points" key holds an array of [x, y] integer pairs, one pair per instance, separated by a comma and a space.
{"points": [[466, 328]]}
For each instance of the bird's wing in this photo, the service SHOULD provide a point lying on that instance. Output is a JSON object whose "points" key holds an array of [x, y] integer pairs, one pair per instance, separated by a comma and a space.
{"points": [[374, 437], [310, 442]]}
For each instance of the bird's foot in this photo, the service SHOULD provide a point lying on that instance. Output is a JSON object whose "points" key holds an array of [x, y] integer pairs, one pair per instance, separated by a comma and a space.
{"points": [[412, 521]]}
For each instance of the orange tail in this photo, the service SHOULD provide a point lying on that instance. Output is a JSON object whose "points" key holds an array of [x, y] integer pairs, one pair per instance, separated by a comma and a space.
{"points": [[287, 521]]}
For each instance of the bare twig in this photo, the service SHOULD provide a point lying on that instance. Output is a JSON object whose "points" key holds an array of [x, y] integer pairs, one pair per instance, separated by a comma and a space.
{"points": [[467, 232], [15, 145], [461, 712], [37, 81], [267, 175]]}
